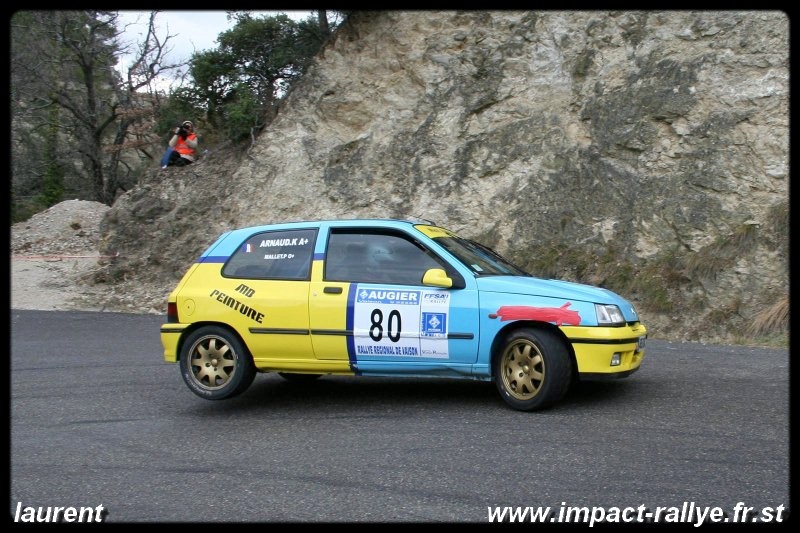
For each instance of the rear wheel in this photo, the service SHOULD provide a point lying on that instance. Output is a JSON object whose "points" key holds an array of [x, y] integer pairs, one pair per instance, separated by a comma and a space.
{"points": [[215, 365], [533, 369]]}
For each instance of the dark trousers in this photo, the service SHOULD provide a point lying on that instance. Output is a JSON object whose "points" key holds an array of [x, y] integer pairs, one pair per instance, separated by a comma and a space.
{"points": [[175, 160]]}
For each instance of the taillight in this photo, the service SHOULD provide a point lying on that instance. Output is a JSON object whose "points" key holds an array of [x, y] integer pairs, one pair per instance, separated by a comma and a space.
{"points": [[172, 312]]}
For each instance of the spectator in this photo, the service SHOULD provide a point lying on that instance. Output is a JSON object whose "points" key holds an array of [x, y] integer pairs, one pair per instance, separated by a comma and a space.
{"points": [[182, 146]]}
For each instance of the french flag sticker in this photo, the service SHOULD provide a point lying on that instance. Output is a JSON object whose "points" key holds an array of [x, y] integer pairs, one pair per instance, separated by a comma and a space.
{"points": [[247, 248]]}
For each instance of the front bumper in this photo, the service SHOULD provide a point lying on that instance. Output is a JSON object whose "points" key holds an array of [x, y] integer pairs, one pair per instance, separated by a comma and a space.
{"points": [[607, 352]]}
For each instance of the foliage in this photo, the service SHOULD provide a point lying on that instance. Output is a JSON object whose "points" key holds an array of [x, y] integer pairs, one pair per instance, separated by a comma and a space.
{"points": [[722, 253], [53, 179], [772, 320], [34, 122], [778, 218], [652, 282], [243, 113], [24, 208], [241, 82], [184, 103], [81, 129], [83, 93], [777, 222], [670, 280], [77, 125]]}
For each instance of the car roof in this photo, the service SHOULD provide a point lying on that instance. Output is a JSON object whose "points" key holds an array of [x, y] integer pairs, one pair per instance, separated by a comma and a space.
{"points": [[351, 222]]}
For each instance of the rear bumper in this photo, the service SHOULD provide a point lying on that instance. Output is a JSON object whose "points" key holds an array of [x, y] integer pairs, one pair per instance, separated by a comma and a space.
{"points": [[170, 340]]}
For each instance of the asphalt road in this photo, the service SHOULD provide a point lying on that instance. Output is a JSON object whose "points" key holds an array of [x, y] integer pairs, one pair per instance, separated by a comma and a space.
{"points": [[97, 418]]}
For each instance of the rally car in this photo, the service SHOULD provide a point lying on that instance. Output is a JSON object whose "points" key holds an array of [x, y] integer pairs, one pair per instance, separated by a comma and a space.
{"points": [[389, 298]]}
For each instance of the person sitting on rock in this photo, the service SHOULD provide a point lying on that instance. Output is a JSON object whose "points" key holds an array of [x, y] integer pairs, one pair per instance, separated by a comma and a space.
{"points": [[182, 146]]}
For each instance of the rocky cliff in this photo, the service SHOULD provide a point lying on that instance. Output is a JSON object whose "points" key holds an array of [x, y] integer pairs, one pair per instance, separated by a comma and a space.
{"points": [[643, 151]]}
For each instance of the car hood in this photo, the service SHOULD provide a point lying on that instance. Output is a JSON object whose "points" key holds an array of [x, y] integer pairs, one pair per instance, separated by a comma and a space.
{"points": [[553, 288]]}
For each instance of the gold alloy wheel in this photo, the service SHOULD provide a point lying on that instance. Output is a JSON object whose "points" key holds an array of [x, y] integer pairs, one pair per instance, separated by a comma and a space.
{"points": [[213, 362], [523, 370]]}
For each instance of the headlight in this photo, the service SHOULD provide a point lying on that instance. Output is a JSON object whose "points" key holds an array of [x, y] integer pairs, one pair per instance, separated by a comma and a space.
{"points": [[608, 315]]}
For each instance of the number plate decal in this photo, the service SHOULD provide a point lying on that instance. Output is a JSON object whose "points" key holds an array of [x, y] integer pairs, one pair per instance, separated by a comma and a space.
{"points": [[640, 344], [403, 323]]}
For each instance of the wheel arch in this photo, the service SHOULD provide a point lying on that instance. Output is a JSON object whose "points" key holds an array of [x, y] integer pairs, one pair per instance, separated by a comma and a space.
{"points": [[197, 325], [499, 341]]}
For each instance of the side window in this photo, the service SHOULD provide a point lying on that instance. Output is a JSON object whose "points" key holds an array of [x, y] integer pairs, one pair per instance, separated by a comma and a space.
{"points": [[273, 255], [376, 258]]}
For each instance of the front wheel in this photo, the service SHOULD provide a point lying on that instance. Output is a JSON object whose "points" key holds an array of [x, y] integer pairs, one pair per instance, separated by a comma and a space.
{"points": [[215, 365], [532, 370]]}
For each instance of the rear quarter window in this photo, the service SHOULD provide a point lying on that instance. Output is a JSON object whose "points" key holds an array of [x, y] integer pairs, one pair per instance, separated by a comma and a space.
{"points": [[273, 255]]}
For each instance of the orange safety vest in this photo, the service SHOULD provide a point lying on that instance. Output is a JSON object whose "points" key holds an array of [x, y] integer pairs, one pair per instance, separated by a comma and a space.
{"points": [[182, 148]]}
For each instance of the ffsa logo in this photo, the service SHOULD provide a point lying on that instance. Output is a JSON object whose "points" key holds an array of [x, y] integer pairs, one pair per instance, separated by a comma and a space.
{"points": [[435, 297]]}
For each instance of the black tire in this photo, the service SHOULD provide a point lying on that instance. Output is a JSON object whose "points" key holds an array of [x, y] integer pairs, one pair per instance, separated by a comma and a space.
{"points": [[215, 365], [532, 370], [299, 378]]}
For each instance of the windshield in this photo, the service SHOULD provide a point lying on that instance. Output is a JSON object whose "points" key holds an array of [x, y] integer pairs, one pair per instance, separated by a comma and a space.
{"points": [[479, 258]]}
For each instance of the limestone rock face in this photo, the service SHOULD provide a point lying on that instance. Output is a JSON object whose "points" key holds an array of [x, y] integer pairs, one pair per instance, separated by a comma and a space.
{"points": [[643, 151]]}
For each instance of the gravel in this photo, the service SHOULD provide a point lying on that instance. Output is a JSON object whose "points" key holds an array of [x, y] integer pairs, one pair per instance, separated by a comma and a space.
{"points": [[55, 262]]}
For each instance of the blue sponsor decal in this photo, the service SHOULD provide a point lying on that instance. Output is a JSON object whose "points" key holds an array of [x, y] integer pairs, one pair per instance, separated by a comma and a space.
{"points": [[434, 323], [384, 296]]}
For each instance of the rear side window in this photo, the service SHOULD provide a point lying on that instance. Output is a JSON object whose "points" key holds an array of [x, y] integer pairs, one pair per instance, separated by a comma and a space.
{"points": [[274, 255]]}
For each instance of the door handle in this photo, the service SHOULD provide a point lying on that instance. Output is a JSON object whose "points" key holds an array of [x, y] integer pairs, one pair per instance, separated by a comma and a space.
{"points": [[332, 290]]}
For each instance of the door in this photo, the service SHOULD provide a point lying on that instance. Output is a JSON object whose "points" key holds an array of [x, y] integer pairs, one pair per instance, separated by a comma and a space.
{"points": [[372, 309]]}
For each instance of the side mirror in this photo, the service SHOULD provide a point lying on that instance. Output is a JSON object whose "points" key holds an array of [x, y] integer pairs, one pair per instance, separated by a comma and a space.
{"points": [[437, 277]]}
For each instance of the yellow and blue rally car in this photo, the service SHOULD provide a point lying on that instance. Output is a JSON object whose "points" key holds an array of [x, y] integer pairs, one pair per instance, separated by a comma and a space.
{"points": [[389, 298]]}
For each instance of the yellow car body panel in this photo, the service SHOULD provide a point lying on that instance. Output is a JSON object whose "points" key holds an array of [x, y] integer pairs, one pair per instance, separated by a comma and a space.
{"points": [[594, 348], [271, 316]]}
